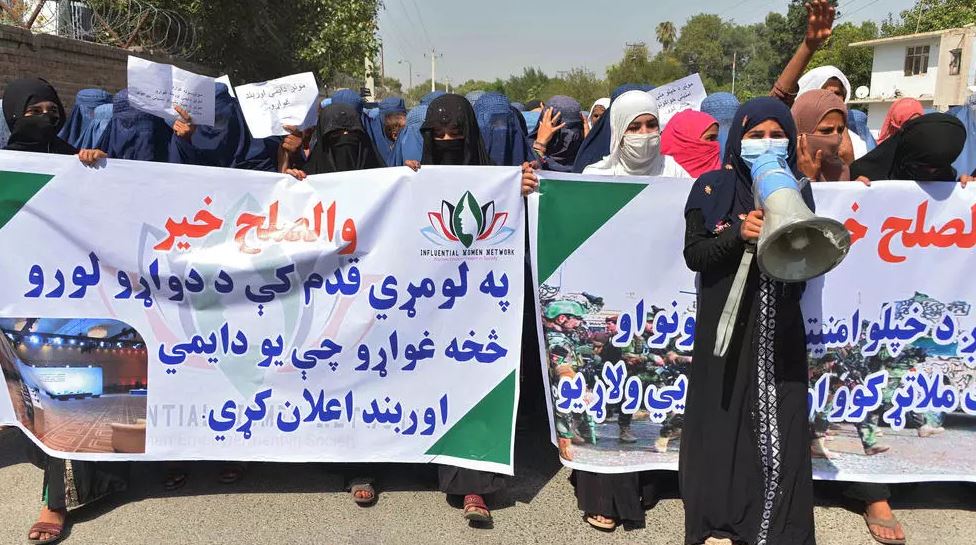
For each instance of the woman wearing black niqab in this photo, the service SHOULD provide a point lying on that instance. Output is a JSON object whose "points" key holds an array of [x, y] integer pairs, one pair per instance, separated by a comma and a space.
{"points": [[923, 150], [341, 144], [34, 113], [451, 135], [744, 469]]}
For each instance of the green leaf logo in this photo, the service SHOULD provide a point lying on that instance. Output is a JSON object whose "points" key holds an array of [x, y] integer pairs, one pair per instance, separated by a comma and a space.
{"points": [[467, 219]]}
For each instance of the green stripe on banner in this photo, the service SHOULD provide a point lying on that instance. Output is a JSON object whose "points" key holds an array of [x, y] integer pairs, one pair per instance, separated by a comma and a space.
{"points": [[478, 435], [16, 188], [569, 214]]}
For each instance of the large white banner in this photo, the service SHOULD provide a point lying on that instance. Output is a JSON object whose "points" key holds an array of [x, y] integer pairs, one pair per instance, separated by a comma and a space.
{"points": [[891, 333], [155, 311]]}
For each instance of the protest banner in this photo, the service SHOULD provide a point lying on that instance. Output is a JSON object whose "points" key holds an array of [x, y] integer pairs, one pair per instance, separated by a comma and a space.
{"points": [[891, 332], [164, 312], [157, 89], [270, 105], [686, 93]]}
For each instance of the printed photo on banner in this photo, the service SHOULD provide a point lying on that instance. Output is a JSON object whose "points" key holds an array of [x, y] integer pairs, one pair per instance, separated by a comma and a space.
{"points": [[77, 385], [892, 365]]}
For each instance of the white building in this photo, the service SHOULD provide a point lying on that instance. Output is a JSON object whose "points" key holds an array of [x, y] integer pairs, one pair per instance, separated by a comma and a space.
{"points": [[936, 67]]}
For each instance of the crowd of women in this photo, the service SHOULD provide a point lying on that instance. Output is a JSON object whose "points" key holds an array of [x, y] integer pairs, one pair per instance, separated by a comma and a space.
{"points": [[745, 470]]}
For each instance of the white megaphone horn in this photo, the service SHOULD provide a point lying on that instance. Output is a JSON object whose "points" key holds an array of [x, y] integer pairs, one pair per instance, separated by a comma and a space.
{"points": [[795, 245]]}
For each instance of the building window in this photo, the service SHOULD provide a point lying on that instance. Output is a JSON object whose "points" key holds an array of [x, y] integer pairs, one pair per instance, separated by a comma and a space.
{"points": [[955, 62], [917, 60]]}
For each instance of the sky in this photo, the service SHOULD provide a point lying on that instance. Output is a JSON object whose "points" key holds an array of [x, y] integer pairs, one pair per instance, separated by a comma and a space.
{"points": [[497, 38]]}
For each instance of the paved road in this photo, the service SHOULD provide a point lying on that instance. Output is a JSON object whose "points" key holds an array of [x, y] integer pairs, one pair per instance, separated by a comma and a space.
{"points": [[301, 503]]}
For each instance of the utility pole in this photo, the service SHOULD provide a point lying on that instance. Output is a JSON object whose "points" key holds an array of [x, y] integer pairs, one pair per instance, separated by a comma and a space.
{"points": [[434, 55], [734, 53], [382, 63], [410, 70]]}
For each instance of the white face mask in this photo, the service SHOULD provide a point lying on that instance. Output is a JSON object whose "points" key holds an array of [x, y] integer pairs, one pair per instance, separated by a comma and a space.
{"points": [[638, 151]]}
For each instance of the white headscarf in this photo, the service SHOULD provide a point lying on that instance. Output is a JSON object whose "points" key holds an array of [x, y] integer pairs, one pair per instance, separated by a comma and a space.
{"points": [[817, 78], [605, 102], [642, 156]]}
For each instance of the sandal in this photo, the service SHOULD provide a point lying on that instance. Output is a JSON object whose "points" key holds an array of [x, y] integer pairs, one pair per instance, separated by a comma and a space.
{"points": [[56, 531], [231, 473], [362, 492], [607, 524], [174, 480], [475, 509], [891, 524]]}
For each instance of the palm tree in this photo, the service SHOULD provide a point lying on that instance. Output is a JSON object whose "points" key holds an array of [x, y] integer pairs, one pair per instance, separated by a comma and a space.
{"points": [[666, 35]]}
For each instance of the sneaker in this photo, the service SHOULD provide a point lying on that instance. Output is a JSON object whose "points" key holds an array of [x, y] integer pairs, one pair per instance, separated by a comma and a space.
{"points": [[626, 436]]}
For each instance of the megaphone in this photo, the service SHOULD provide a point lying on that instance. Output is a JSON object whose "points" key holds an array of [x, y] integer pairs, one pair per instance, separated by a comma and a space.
{"points": [[796, 245]]}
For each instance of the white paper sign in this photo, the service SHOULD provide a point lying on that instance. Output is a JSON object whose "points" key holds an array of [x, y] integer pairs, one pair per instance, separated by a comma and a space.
{"points": [[225, 79], [686, 93], [269, 106], [157, 88]]}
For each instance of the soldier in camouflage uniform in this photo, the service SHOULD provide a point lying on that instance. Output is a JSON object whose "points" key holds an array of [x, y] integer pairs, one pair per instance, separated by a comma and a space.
{"points": [[561, 318], [666, 365], [636, 358]]}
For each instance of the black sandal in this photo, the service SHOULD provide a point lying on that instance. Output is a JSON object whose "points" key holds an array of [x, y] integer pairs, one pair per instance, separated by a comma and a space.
{"points": [[174, 480]]}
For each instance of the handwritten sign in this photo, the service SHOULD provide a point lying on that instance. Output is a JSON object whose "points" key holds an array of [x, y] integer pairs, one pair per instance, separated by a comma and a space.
{"points": [[269, 106], [157, 89], [686, 93]]}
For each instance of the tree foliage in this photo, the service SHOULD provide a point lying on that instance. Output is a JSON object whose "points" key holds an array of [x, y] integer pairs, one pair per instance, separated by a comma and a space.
{"points": [[263, 39], [930, 15]]}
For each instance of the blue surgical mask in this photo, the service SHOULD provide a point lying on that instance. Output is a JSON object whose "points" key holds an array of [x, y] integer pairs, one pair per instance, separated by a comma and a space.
{"points": [[753, 148]]}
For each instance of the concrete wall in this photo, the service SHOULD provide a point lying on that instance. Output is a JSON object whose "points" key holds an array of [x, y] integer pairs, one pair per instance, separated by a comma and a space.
{"points": [[888, 70], [878, 110], [70, 65]]}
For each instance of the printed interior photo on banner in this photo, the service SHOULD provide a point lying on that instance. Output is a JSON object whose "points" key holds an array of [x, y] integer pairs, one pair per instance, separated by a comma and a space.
{"points": [[78, 385]]}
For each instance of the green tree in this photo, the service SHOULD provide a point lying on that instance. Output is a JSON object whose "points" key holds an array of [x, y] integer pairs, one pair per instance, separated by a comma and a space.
{"points": [[634, 67], [528, 86], [259, 39], [666, 35], [497, 86], [854, 62], [578, 83], [930, 15]]}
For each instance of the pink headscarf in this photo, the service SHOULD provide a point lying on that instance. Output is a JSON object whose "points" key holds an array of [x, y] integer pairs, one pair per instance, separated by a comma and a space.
{"points": [[901, 112], [681, 140]]}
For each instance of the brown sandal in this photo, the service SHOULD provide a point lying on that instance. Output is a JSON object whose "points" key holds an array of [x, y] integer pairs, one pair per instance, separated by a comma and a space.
{"points": [[891, 524], [593, 521], [55, 530], [475, 509]]}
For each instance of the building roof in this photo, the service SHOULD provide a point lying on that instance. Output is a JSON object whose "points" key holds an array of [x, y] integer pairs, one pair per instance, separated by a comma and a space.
{"points": [[910, 37]]}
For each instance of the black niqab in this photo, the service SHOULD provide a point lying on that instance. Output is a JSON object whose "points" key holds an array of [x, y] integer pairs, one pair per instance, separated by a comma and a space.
{"points": [[33, 133], [923, 150], [342, 143], [453, 112]]}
